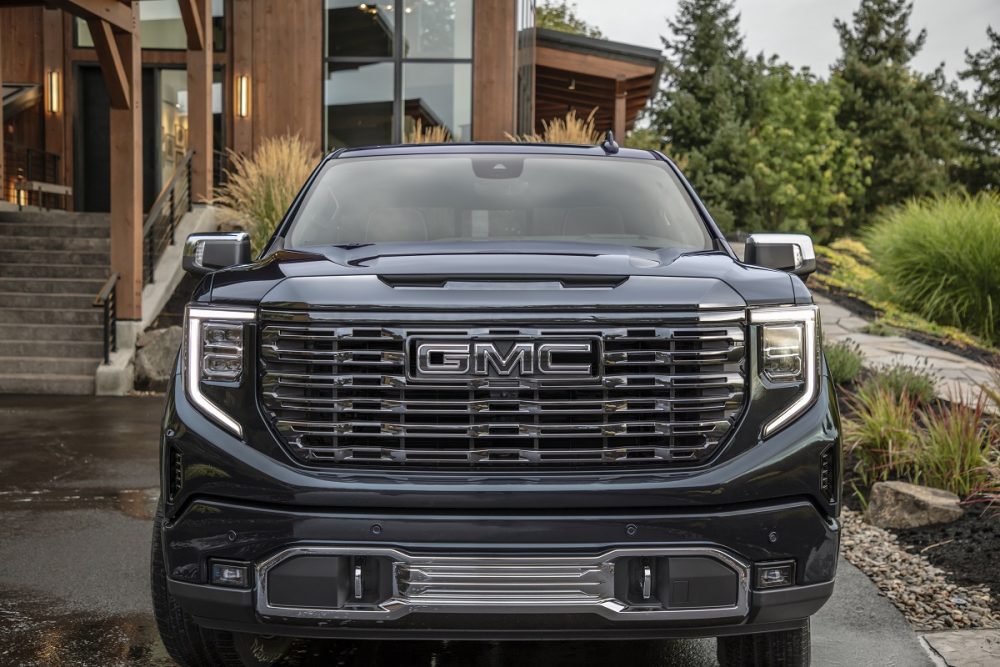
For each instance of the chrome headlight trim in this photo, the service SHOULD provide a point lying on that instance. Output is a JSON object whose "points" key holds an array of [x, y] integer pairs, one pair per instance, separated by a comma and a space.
{"points": [[808, 317], [193, 318]]}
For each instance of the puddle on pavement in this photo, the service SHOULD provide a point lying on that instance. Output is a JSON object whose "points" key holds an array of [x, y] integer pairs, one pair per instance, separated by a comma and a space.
{"points": [[136, 503], [32, 635]]}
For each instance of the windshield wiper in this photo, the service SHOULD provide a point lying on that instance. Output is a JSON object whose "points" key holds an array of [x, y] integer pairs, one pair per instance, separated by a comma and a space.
{"points": [[352, 246]]}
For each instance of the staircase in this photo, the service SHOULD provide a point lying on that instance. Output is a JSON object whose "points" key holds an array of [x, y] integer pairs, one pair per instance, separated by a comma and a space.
{"points": [[52, 264]]}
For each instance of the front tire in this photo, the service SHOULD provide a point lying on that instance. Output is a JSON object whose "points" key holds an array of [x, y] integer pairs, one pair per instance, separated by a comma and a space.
{"points": [[787, 648], [193, 646]]}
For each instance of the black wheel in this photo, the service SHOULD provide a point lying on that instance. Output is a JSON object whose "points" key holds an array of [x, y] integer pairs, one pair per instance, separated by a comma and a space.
{"points": [[194, 646], [788, 648]]}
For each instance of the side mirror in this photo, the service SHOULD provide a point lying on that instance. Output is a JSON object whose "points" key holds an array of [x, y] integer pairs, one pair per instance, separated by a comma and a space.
{"points": [[786, 252], [205, 253]]}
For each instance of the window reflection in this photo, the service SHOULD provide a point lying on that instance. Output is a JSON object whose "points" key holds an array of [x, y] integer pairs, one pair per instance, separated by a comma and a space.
{"points": [[437, 28], [439, 94], [359, 104], [359, 29]]}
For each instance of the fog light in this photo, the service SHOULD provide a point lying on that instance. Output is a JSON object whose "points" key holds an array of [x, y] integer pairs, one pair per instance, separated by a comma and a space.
{"points": [[775, 575], [231, 575]]}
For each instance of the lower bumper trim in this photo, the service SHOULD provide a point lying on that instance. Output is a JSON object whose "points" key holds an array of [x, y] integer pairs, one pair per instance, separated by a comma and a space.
{"points": [[690, 584]]}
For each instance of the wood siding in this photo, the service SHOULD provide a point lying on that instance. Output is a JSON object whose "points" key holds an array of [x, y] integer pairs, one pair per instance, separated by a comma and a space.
{"points": [[279, 45], [494, 73]]}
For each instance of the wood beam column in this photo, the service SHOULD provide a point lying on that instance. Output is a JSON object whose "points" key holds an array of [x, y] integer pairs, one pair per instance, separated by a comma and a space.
{"points": [[199, 81], [242, 54], [52, 61], [621, 110], [494, 75], [126, 169]]}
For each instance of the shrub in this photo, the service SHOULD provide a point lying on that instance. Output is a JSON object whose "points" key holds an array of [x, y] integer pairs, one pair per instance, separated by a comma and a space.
{"points": [[914, 382], [261, 187], [881, 434], [568, 130], [844, 360], [941, 259], [954, 451]]}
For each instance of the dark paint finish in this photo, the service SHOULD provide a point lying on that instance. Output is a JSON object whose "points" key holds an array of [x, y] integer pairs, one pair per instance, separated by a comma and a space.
{"points": [[248, 498]]}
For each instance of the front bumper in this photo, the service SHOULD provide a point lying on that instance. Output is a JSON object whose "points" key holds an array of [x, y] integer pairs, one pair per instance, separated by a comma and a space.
{"points": [[762, 502], [454, 575]]}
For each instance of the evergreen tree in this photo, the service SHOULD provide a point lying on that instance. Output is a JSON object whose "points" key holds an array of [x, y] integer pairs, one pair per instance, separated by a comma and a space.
{"points": [[900, 116], [980, 165], [706, 103]]}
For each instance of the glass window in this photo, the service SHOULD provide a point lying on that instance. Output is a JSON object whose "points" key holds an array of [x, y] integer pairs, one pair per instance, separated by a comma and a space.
{"points": [[359, 104], [378, 92], [437, 28], [161, 26], [448, 199], [359, 30], [439, 95]]}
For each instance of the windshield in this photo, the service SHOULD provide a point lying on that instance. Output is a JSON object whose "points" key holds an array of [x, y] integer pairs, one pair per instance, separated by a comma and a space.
{"points": [[428, 199]]}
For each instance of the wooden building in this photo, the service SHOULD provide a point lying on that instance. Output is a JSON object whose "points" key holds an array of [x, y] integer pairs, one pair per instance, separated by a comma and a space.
{"points": [[211, 76]]}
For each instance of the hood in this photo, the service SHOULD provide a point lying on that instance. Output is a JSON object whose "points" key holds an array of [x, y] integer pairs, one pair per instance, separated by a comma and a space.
{"points": [[549, 276]]}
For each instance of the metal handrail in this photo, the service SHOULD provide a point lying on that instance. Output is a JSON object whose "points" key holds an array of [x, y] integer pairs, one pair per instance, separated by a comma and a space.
{"points": [[106, 299], [159, 229]]}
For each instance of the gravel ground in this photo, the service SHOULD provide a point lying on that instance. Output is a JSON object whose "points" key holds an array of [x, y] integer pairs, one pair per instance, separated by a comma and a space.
{"points": [[918, 589]]}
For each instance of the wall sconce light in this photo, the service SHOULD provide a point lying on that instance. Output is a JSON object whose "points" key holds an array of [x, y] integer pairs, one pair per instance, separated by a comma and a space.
{"points": [[53, 91], [243, 96]]}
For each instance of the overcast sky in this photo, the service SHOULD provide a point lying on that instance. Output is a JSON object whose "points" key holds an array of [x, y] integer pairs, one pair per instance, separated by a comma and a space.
{"points": [[801, 31]]}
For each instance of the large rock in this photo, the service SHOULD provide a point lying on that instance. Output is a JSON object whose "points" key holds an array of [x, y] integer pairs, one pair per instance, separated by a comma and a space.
{"points": [[902, 505], [156, 351]]}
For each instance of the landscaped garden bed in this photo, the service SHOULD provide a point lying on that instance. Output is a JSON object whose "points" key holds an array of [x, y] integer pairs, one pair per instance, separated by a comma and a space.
{"points": [[897, 427]]}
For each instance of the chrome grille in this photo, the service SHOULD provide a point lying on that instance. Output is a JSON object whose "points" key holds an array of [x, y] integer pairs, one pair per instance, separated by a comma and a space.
{"points": [[670, 391]]}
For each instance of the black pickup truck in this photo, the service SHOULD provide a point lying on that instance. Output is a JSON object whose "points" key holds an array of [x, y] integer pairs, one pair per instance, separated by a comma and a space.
{"points": [[497, 391]]}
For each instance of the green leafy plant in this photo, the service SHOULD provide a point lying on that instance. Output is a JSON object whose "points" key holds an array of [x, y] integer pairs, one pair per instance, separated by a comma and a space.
{"points": [[899, 380], [844, 359], [954, 451], [260, 187], [881, 434], [941, 259]]}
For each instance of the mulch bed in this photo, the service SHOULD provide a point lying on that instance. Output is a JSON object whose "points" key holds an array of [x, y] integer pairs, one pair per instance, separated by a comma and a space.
{"points": [[967, 549]]}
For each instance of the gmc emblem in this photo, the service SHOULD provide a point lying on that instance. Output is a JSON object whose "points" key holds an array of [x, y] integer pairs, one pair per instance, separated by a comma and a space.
{"points": [[447, 359]]}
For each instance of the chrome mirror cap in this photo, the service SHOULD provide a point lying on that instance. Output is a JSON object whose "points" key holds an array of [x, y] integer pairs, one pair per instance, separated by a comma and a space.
{"points": [[205, 253], [786, 252]]}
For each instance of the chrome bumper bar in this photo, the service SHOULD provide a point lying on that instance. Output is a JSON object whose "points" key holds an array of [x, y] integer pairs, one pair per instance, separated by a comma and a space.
{"points": [[505, 584]]}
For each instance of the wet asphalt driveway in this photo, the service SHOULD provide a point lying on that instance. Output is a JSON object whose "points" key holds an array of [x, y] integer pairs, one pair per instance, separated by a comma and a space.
{"points": [[77, 490]]}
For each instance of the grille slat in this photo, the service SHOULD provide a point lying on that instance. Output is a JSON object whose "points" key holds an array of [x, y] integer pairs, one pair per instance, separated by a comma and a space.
{"points": [[346, 395]]}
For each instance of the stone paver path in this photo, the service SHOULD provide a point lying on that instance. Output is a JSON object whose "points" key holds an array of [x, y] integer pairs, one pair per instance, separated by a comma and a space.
{"points": [[967, 648], [958, 378]]}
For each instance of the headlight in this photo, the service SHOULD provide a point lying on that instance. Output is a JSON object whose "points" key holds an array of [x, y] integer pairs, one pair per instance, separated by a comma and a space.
{"points": [[214, 345], [788, 356]]}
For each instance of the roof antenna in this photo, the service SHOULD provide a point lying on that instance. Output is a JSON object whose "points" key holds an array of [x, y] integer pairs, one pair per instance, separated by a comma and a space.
{"points": [[609, 144]]}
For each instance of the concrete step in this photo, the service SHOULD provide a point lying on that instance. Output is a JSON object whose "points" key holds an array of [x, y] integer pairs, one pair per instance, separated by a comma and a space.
{"points": [[21, 383], [54, 257], [46, 271], [63, 349], [48, 316], [68, 242], [48, 365], [8, 230], [54, 217], [54, 333], [56, 301], [51, 286]]}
